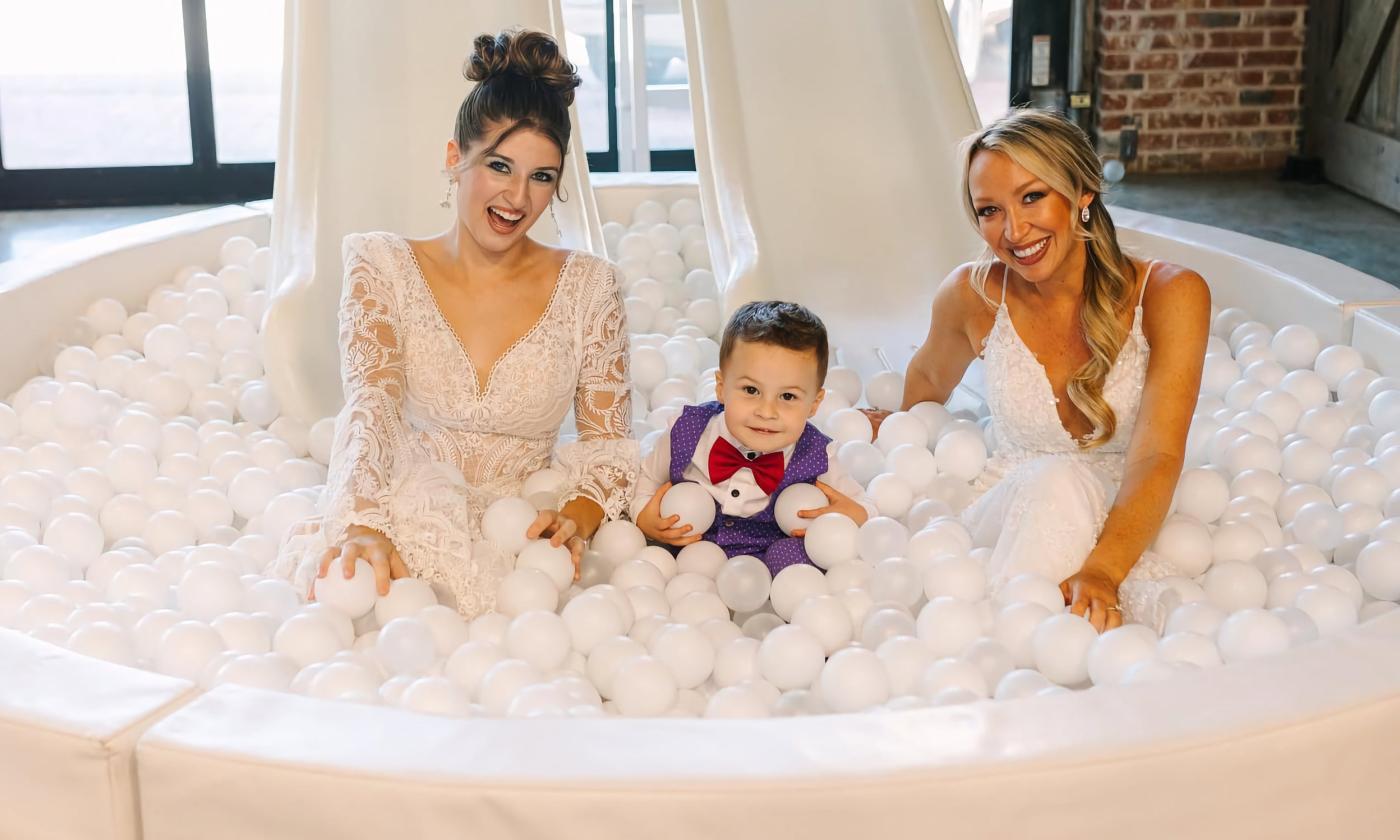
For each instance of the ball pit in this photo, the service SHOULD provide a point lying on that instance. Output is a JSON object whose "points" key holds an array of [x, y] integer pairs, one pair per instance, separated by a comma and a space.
{"points": [[683, 636]]}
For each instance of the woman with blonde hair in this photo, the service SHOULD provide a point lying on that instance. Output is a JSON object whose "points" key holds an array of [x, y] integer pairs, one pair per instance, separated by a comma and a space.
{"points": [[1093, 364]]}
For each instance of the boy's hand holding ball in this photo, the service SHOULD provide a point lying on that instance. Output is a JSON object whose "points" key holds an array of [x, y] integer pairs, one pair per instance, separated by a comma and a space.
{"points": [[661, 522]]}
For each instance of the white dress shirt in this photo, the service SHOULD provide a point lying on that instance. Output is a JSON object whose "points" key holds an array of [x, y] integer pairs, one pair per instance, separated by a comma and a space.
{"points": [[740, 495]]}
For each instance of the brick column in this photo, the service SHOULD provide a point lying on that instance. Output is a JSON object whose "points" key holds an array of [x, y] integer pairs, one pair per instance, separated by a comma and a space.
{"points": [[1214, 85]]}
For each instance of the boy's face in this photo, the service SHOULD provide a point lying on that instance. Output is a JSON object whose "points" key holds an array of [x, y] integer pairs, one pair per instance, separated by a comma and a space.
{"points": [[769, 393]]}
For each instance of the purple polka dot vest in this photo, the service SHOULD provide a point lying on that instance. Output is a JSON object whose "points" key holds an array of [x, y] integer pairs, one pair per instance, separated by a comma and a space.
{"points": [[755, 534]]}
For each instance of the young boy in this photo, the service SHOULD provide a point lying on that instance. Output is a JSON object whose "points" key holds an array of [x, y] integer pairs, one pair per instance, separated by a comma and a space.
{"points": [[754, 442]]}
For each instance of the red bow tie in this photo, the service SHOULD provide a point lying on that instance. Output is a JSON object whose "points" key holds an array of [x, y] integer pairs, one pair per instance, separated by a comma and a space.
{"points": [[725, 460]]}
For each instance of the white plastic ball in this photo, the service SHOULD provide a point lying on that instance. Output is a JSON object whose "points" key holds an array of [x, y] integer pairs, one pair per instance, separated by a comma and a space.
{"points": [[618, 540], [1117, 650], [524, 590], [407, 596], [540, 638], [643, 687], [794, 498], [186, 649], [208, 590], [406, 646], [354, 596], [744, 583], [555, 561], [686, 651], [1252, 634], [692, 503], [1060, 645], [1331, 610], [793, 585], [830, 539], [506, 522], [961, 453], [852, 680], [1296, 346], [947, 625], [1378, 570], [849, 424]]}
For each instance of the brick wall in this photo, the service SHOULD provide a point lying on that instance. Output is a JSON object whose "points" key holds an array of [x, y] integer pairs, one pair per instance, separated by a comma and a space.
{"points": [[1214, 85]]}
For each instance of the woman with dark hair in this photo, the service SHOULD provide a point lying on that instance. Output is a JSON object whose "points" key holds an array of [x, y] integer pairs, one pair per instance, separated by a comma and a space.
{"points": [[463, 353], [1093, 364]]}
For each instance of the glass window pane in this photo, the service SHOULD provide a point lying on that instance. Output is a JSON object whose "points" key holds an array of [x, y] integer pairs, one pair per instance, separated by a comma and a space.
{"points": [[93, 83], [245, 68], [669, 125], [586, 42], [982, 29]]}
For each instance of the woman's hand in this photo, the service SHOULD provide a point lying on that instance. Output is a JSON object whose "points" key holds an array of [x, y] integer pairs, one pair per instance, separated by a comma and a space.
{"points": [[666, 530], [561, 529], [837, 502], [1093, 593], [876, 416], [363, 543]]}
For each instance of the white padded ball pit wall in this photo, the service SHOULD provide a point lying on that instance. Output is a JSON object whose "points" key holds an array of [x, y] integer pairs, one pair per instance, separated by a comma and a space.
{"points": [[1293, 747], [68, 730]]}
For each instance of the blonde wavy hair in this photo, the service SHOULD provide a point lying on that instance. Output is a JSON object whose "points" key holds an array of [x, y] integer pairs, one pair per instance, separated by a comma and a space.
{"points": [[1058, 152]]}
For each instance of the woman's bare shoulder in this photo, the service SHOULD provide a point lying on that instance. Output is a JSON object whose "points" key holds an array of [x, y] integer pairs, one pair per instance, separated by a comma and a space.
{"points": [[958, 293], [1175, 284]]}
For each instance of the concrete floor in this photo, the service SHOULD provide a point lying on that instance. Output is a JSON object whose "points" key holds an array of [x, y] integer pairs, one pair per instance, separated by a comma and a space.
{"points": [[1321, 218], [24, 233]]}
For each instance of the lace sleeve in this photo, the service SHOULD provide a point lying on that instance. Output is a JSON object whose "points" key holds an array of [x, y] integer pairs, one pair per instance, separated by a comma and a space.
{"points": [[369, 429], [602, 464]]}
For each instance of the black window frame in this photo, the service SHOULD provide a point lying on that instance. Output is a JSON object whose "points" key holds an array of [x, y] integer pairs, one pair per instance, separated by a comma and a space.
{"points": [[662, 160], [203, 181], [206, 180], [607, 161]]}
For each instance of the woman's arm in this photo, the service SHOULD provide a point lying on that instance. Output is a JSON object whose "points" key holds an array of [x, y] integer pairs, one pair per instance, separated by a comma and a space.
{"points": [[939, 364], [369, 429], [1176, 321], [602, 464]]}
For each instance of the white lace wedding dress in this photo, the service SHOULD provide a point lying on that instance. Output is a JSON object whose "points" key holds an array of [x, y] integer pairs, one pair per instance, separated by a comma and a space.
{"points": [[1044, 499], [423, 444]]}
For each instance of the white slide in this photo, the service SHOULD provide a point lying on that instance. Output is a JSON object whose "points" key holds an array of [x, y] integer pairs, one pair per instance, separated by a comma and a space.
{"points": [[826, 146], [370, 93]]}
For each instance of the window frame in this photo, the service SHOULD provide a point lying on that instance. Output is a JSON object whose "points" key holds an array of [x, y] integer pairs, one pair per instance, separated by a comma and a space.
{"points": [[607, 161], [207, 181], [657, 160], [203, 181]]}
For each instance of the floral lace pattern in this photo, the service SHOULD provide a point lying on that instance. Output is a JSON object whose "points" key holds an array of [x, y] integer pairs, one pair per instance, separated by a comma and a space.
{"points": [[1042, 501], [423, 445]]}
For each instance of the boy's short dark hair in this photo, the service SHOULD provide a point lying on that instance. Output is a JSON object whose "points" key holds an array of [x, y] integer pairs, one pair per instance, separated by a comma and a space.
{"points": [[789, 325]]}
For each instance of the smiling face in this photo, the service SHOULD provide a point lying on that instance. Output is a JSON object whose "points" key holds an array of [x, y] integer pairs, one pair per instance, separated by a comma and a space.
{"points": [[503, 191], [1029, 226], [769, 392]]}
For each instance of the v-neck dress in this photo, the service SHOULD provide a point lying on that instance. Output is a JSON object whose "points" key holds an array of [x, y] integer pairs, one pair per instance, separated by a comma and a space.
{"points": [[424, 445], [1042, 500]]}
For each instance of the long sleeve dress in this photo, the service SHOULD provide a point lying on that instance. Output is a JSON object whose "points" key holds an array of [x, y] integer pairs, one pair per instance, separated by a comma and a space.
{"points": [[423, 444]]}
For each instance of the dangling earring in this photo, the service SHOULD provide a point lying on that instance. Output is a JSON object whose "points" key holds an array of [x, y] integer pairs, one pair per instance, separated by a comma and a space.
{"points": [[447, 195], [1084, 215], [558, 234]]}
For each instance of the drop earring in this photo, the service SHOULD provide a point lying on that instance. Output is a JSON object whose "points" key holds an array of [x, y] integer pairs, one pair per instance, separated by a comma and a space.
{"points": [[1084, 215], [558, 234], [447, 195]]}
